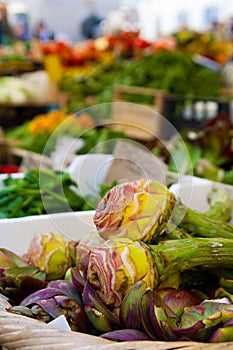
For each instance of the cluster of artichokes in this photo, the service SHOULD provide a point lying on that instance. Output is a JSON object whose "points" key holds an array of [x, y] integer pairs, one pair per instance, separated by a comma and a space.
{"points": [[152, 269]]}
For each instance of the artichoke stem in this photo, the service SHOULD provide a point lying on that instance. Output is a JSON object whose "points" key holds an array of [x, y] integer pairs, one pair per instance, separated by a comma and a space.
{"points": [[201, 224], [179, 255]]}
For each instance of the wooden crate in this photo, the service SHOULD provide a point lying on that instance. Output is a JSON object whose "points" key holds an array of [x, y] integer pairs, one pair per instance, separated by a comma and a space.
{"points": [[138, 121]]}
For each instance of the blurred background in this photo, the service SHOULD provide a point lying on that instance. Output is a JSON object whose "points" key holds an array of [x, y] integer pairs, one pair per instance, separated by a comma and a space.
{"points": [[153, 17], [79, 57]]}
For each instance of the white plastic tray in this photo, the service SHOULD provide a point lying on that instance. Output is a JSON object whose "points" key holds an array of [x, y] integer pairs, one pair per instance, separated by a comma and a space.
{"points": [[16, 234], [193, 192]]}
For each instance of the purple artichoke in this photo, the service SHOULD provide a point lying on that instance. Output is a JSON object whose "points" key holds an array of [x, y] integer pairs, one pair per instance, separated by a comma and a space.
{"points": [[17, 278], [58, 298]]}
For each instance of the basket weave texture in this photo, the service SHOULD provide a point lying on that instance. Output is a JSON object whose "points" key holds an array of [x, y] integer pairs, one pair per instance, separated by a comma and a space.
{"points": [[22, 333]]}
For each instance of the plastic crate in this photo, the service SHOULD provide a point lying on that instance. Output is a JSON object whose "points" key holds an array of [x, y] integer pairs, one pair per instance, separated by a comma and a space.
{"points": [[191, 112]]}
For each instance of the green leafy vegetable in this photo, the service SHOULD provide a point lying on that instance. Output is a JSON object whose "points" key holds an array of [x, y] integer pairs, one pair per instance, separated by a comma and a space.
{"points": [[42, 191]]}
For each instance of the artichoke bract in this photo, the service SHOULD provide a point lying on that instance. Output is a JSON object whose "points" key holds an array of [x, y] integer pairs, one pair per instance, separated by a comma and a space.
{"points": [[117, 264], [83, 249], [51, 254], [138, 210]]}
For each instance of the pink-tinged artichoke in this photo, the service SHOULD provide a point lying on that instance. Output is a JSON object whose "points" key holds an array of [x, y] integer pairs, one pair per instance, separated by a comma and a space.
{"points": [[117, 264], [179, 299], [145, 209], [51, 253], [138, 210]]}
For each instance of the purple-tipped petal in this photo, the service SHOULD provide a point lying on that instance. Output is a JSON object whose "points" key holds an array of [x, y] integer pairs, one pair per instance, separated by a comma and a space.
{"points": [[224, 334], [177, 299], [97, 312], [130, 307], [125, 335], [42, 294], [9, 259], [145, 315], [67, 288], [74, 312], [160, 314], [155, 314], [77, 279], [197, 332], [50, 306]]}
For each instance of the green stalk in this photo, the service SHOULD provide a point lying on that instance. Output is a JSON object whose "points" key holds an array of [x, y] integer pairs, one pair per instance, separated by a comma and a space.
{"points": [[220, 204], [175, 256], [200, 224]]}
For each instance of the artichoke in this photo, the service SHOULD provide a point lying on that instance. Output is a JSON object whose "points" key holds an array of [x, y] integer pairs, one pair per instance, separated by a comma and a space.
{"points": [[52, 254], [116, 265], [17, 278], [145, 210], [138, 210], [58, 298], [207, 321]]}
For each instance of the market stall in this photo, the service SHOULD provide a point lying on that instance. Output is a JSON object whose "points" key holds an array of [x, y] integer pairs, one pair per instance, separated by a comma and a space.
{"points": [[116, 220]]}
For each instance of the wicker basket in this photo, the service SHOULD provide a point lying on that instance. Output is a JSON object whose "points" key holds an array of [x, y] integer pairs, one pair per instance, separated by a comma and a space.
{"points": [[22, 333]]}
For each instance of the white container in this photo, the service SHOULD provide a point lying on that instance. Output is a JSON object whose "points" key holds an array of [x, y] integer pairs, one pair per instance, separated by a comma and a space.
{"points": [[193, 192], [89, 171], [16, 234]]}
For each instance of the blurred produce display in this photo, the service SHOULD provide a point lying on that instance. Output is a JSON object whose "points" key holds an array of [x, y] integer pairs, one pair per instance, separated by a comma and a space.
{"points": [[210, 149], [187, 64], [41, 134], [174, 72], [204, 44], [89, 71], [34, 134]]}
